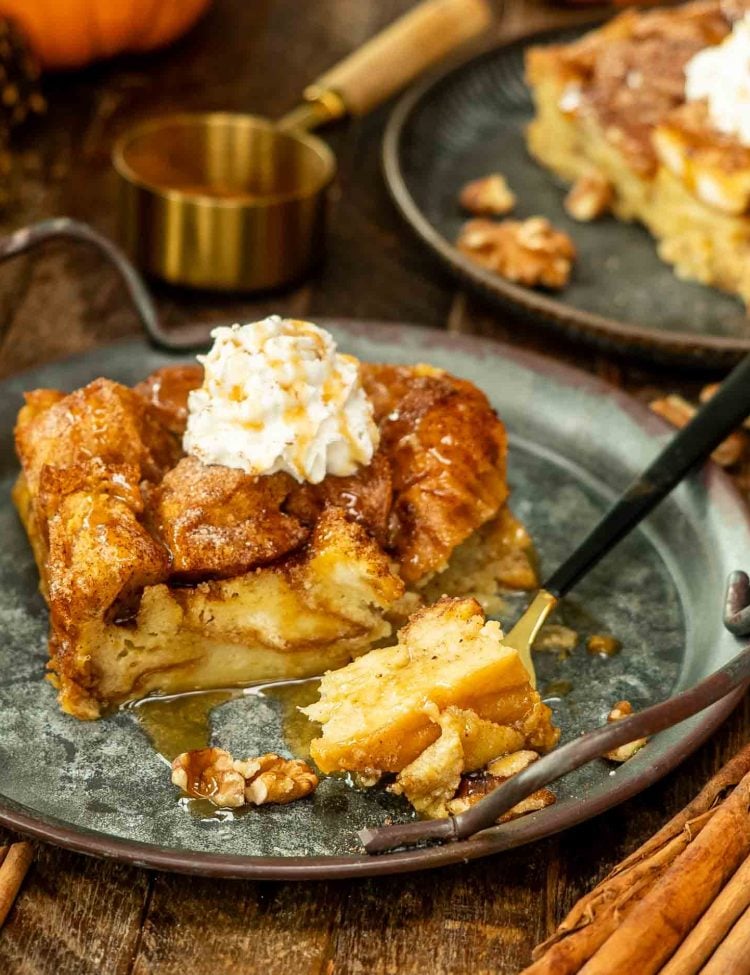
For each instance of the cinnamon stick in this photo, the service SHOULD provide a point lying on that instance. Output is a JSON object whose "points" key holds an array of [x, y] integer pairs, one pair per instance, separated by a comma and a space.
{"points": [[713, 926], [597, 915], [13, 868], [733, 954], [658, 923]]}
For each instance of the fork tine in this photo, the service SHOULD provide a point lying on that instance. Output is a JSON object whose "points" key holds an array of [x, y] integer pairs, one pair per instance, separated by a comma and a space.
{"points": [[522, 635]]}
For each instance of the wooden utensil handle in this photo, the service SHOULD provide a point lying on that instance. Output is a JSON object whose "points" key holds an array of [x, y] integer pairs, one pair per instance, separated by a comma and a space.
{"points": [[399, 53]]}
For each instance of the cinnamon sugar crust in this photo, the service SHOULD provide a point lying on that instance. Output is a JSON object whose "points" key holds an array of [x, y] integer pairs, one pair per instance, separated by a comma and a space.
{"points": [[630, 74]]}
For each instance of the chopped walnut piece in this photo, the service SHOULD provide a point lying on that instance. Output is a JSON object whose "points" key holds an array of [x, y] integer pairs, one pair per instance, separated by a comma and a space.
{"points": [[537, 800], [368, 778], [488, 196], [212, 773], [557, 638], [677, 411], [529, 252], [603, 645], [589, 197], [623, 709], [476, 787], [280, 780]]}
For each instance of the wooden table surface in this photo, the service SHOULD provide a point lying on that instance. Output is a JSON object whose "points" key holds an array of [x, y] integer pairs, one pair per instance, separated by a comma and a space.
{"points": [[77, 915]]}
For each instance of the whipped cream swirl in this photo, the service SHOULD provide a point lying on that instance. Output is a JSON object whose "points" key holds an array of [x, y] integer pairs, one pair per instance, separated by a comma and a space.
{"points": [[721, 75], [277, 396]]}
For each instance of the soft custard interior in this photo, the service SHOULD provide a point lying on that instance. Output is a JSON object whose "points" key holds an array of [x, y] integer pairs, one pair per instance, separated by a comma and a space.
{"points": [[383, 710], [290, 620]]}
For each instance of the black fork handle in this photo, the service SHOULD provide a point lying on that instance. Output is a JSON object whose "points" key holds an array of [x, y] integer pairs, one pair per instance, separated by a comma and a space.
{"points": [[689, 448]]}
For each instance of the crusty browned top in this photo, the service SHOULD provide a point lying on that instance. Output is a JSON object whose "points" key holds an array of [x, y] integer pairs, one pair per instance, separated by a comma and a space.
{"points": [[167, 391], [715, 150], [439, 474], [631, 72], [447, 451], [120, 506]]}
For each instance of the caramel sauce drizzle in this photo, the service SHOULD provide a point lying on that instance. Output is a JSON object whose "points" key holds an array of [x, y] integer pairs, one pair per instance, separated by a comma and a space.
{"points": [[178, 723]]}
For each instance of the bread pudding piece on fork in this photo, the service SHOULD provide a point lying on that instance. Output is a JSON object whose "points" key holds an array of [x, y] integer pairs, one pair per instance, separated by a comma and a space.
{"points": [[447, 700], [631, 104], [163, 573]]}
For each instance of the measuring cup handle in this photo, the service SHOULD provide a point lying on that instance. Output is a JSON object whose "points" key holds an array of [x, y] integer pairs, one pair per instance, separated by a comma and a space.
{"points": [[398, 54]]}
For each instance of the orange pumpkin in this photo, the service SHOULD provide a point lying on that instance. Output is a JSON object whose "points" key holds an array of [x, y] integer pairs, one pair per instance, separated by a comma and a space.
{"points": [[69, 33]]}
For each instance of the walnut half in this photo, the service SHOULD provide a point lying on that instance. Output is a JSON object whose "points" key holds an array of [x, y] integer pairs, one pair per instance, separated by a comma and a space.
{"points": [[212, 773], [279, 780], [530, 252]]}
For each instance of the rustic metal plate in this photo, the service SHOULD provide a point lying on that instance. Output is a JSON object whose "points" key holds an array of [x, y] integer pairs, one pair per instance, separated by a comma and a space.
{"points": [[470, 122], [100, 788]]}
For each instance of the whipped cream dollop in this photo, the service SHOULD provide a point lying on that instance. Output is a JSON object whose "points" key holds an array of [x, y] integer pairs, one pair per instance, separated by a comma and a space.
{"points": [[277, 396], [721, 75]]}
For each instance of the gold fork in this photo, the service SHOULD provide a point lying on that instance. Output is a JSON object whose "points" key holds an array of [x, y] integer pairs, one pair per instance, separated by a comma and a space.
{"points": [[522, 636], [689, 447]]}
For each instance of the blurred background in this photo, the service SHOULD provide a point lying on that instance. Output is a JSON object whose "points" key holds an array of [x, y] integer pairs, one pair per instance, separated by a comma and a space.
{"points": [[76, 74]]}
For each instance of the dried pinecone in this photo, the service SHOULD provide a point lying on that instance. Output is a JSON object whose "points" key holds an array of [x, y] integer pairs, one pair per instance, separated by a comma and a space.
{"points": [[20, 91]]}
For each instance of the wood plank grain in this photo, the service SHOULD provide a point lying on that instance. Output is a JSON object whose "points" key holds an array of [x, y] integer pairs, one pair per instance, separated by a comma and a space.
{"points": [[77, 916], [480, 918], [74, 916], [231, 926], [461, 920]]}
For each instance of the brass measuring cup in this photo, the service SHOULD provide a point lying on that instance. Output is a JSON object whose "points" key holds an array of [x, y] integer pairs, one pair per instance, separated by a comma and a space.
{"points": [[231, 201]]}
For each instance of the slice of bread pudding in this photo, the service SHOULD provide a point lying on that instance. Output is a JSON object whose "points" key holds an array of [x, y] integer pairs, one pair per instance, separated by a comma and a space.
{"points": [[163, 573], [445, 701], [621, 105]]}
